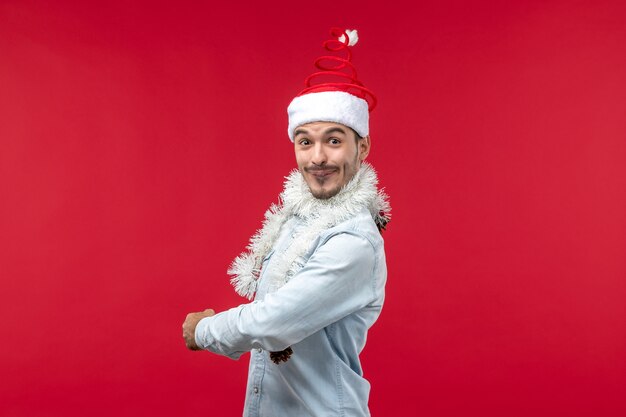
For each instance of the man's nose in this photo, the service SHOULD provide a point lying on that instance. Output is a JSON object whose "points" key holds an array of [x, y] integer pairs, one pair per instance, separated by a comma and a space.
{"points": [[319, 155]]}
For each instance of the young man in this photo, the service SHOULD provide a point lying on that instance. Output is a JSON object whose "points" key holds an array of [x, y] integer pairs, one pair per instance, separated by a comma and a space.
{"points": [[317, 267]]}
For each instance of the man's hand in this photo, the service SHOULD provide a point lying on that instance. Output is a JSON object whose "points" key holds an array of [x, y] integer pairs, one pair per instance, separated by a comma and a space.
{"points": [[189, 327]]}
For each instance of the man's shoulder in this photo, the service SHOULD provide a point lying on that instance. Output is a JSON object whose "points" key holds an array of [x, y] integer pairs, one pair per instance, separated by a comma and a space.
{"points": [[361, 225]]}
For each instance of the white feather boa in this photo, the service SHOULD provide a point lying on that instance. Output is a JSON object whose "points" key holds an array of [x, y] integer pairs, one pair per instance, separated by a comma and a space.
{"points": [[318, 215]]}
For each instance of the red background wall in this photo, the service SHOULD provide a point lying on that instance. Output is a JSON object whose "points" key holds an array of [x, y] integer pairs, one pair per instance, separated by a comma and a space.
{"points": [[141, 144]]}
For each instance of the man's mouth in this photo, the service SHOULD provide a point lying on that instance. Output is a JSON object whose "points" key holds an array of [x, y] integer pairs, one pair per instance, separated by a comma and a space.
{"points": [[321, 173]]}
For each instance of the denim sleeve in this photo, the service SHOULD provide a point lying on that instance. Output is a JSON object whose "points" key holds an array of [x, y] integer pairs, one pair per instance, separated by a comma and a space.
{"points": [[337, 280]]}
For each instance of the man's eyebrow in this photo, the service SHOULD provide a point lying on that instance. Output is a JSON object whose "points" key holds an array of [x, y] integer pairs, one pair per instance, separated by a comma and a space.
{"points": [[334, 130], [298, 131], [328, 131]]}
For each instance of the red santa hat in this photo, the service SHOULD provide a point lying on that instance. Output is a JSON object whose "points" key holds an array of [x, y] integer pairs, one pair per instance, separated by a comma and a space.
{"points": [[337, 96]]}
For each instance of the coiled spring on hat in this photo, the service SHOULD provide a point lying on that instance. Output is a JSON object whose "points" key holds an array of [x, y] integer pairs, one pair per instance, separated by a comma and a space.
{"points": [[335, 66]]}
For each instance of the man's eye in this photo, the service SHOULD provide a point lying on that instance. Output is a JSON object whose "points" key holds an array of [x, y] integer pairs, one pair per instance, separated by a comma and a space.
{"points": [[304, 142], [334, 141]]}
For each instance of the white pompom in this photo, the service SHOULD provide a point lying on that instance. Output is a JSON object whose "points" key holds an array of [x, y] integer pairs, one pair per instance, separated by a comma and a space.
{"points": [[353, 37]]}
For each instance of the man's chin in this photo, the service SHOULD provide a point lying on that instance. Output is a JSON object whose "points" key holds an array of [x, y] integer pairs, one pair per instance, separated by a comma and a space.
{"points": [[321, 190], [323, 194]]}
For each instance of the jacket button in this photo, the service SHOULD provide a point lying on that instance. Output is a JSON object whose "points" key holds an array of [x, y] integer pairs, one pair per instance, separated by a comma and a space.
{"points": [[256, 390], [259, 350]]}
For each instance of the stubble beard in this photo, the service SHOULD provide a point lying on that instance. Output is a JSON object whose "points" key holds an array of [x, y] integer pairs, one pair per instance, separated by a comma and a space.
{"points": [[322, 194]]}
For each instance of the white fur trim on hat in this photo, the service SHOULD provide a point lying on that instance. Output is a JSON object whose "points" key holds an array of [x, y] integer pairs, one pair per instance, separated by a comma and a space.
{"points": [[329, 106]]}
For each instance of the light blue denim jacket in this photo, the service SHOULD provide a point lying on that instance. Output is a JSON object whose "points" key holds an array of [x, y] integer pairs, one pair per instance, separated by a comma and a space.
{"points": [[323, 312]]}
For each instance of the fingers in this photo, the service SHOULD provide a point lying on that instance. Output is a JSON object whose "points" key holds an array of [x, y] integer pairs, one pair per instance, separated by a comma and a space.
{"points": [[189, 327], [189, 336], [206, 313]]}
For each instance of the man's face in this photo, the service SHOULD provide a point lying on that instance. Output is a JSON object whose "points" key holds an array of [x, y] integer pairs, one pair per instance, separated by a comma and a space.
{"points": [[328, 156]]}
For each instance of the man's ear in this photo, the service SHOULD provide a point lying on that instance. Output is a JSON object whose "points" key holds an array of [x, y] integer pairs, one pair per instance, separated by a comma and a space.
{"points": [[364, 145]]}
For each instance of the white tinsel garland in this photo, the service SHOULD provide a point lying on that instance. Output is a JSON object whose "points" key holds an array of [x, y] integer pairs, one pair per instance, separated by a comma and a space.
{"points": [[318, 214]]}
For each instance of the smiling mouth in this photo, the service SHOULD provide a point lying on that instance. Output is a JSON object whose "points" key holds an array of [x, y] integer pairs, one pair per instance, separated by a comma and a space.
{"points": [[322, 173]]}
